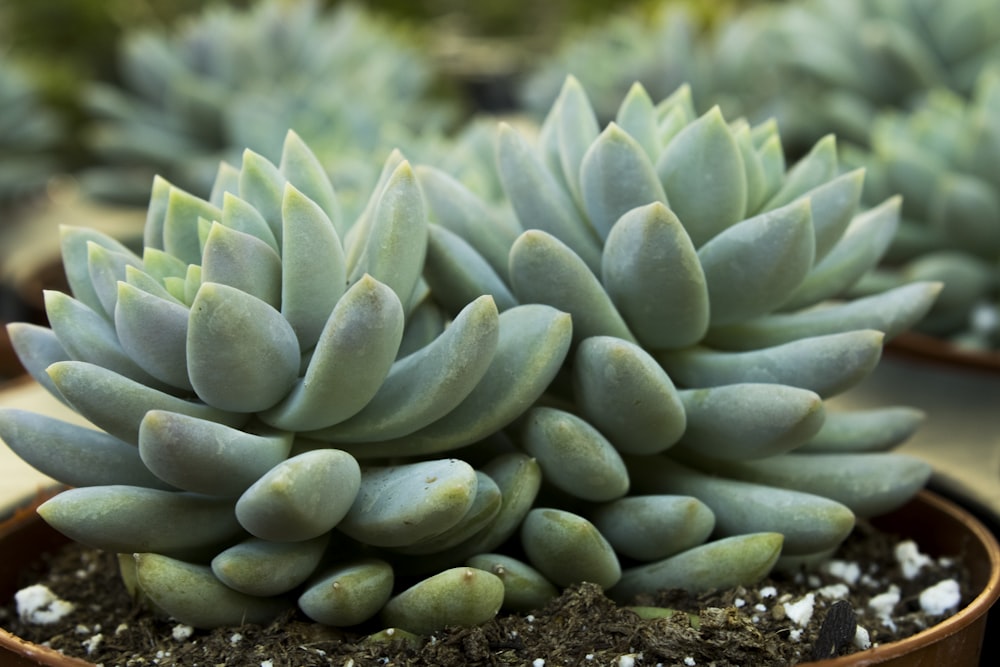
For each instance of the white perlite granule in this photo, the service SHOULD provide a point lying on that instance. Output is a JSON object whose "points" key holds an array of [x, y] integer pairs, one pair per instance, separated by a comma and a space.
{"points": [[182, 632], [92, 643], [862, 639], [940, 598], [39, 605], [910, 559], [801, 611]]}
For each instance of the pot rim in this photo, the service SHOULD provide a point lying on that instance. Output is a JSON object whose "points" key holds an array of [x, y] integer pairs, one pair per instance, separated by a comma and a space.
{"points": [[968, 615], [923, 346]]}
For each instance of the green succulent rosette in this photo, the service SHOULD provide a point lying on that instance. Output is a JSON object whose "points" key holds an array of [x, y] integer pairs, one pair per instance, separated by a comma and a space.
{"points": [[350, 83], [29, 133], [707, 283], [229, 367]]}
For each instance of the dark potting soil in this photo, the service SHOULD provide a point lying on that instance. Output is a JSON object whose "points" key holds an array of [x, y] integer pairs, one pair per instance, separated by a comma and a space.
{"points": [[766, 624]]}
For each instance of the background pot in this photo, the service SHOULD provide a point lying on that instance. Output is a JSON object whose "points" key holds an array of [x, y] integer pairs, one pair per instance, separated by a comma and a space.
{"points": [[938, 525]]}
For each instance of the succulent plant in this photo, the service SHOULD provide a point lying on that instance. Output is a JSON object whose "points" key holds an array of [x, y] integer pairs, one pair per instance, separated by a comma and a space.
{"points": [[705, 283], [437, 410], [254, 330], [227, 79], [944, 158], [29, 132]]}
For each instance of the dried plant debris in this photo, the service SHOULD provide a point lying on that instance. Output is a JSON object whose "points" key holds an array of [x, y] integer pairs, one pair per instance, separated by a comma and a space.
{"points": [[836, 609]]}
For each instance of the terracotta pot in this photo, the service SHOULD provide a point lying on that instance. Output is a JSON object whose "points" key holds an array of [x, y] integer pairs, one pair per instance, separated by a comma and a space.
{"points": [[939, 527]]}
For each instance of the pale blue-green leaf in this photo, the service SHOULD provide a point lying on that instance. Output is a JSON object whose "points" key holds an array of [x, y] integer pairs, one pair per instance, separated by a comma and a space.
{"points": [[574, 456], [401, 505], [242, 354], [153, 332], [74, 455], [524, 588], [652, 273], [87, 336], [459, 210], [395, 244], [484, 508], [462, 596], [655, 526], [858, 251], [742, 560], [161, 265], [302, 497], [238, 214], [107, 267], [130, 519], [545, 270], [353, 356], [870, 484], [826, 365], [540, 202], [808, 522], [568, 549], [206, 457], [191, 594], [192, 283], [891, 312], [637, 117], [75, 246], [313, 270], [303, 169], [772, 159], [457, 274], [533, 342], [261, 186], [346, 594], [117, 404], [967, 210], [156, 213], [227, 182], [622, 391], [834, 204], [753, 167], [181, 236], [757, 264], [141, 280], [263, 568], [576, 129], [616, 176], [702, 173], [818, 166], [37, 348], [866, 430], [355, 241], [749, 420], [243, 262], [428, 384]]}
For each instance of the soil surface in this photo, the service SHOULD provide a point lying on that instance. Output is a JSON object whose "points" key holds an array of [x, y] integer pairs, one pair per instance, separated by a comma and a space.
{"points": [[761, 625]]}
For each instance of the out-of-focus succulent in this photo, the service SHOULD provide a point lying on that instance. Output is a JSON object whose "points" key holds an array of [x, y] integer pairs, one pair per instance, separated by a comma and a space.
{"points": [[29, 133], [661, 47], [845, 60], [254, 331], [704, 281], [944, 158], [226, 79]]}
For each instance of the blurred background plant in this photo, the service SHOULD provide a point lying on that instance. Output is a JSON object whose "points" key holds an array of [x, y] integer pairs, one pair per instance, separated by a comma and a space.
{"points": [[944, 158]]}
